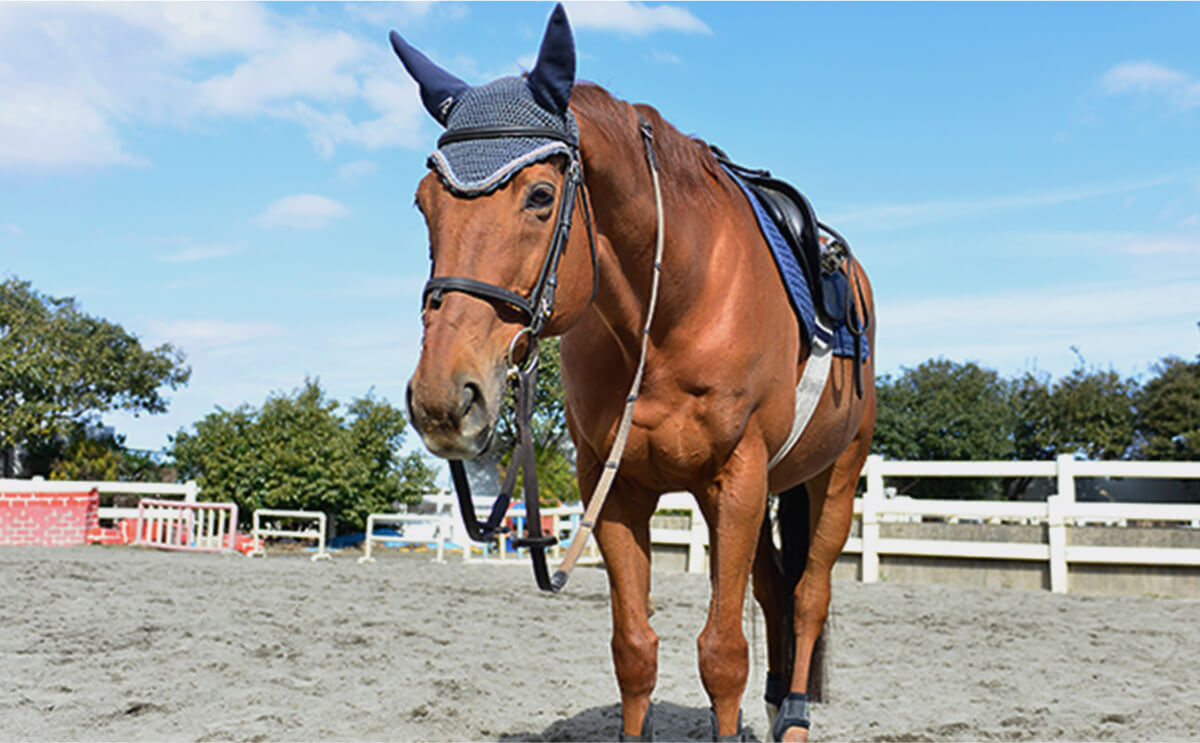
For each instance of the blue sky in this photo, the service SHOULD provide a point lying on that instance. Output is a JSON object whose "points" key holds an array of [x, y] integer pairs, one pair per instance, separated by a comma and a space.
{"points": [[237, 179]]}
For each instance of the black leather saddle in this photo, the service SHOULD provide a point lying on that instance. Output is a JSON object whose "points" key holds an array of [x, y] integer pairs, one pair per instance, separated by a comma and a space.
{"points": [[797, 222]]}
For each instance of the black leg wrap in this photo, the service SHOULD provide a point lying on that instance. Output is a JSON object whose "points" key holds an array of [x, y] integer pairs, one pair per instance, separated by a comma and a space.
{"points": [[647, 733], [737, 737], [793, 713], [777, 688]]}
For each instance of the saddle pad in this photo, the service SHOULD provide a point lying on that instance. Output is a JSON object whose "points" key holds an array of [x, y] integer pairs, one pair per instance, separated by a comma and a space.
{"points": [[792, 273]]}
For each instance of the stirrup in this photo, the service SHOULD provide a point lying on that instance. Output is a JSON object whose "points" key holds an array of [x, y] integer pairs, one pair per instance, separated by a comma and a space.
{"points": [[793, 713], [647, 733], [737, 737]]}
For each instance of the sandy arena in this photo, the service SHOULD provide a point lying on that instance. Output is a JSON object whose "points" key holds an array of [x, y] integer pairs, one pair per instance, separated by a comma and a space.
{"points": [[129, 644]]}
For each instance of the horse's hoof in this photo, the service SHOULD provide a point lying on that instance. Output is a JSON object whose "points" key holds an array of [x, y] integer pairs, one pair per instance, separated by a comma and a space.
{"points": [[737, 737], [647, 733]]}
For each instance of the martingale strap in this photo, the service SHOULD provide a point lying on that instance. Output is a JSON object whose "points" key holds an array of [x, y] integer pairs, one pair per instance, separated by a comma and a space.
{"points": [[523, 460]]}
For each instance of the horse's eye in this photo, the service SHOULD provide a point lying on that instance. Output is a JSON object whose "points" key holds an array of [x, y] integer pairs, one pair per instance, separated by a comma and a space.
{"points": [[540, 197]]}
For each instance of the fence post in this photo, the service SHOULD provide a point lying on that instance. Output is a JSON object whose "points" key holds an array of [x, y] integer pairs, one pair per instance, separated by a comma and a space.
{"points": [[1056, 524], [189, 495], [871, 503]]}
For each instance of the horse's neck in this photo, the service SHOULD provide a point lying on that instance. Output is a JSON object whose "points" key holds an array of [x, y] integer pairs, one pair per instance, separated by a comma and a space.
{"points": [[621, 191]]}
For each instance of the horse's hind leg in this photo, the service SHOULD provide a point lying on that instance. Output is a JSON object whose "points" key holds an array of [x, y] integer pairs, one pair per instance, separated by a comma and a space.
{"points": [[831, 495], [776, 573]]}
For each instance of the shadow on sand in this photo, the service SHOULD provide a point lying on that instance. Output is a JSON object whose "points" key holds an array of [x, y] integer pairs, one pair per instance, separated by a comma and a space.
{"points": [[672, 722]]}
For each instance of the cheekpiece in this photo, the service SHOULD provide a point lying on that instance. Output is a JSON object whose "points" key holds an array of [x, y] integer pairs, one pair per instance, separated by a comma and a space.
{"points": [[480, 166]]}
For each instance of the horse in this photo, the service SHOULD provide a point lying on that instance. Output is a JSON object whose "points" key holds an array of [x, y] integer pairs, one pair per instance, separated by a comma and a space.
{"points": [[719, 343]]}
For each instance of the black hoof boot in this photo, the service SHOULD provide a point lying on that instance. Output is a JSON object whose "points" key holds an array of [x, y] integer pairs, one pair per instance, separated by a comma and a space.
{"points": [[737, 737], [777, 690], [793, 713], [647, 733]]}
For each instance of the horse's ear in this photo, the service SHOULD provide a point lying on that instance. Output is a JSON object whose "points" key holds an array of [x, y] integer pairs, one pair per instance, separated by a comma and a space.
{"points": [[554, 74], [439, 89]]}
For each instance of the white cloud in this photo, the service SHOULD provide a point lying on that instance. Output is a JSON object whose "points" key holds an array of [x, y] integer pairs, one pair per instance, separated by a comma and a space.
{"points": [[900, 216], [194, 253], [42, 127], [664, 58], [301, 211], [73, 76], [1123, 324], [1149, 77], [356, 170], [190, 334], [303, 66], [1114, 243], [12, 229], [633, 18]]}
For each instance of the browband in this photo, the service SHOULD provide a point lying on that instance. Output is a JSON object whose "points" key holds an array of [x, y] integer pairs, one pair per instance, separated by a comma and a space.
{"points": [[504, 132]]}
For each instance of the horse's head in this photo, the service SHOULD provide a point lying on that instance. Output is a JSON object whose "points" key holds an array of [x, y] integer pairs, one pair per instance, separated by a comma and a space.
{"points": [[504, 186]]}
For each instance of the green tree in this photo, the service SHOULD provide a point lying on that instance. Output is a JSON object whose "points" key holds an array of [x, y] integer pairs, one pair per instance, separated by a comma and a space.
{"points": [[60, 367], [1090, 413], [298, 452], [553, 449], [942, 410], [1168, 411]]}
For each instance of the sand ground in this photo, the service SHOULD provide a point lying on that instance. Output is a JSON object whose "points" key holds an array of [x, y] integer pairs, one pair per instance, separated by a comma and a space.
{"points": [[127, 644]]}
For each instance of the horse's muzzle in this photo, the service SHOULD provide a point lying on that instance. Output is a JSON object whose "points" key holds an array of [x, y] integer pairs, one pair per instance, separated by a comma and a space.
{"points": [[455, 420]]}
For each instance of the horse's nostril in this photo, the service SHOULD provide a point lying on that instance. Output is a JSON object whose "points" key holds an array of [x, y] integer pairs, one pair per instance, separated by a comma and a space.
{"points": [[470, 394]]}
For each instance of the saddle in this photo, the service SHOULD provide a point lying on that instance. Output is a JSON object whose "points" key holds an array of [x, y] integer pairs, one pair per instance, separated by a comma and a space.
{"points": [[796, 220]]}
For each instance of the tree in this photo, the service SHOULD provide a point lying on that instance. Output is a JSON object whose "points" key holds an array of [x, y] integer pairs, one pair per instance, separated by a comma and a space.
{"points": [[949, 411], [60, 367], [1168, 411], [553, 449], [1090, 413], [298, 452]]}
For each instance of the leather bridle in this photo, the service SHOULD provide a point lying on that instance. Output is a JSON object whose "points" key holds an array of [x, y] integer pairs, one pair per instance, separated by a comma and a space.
{"points": [[537, 308], [539, 305]]}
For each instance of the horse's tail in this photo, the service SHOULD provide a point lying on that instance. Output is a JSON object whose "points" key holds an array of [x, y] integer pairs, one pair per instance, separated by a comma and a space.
{"points": [[794, 530]]}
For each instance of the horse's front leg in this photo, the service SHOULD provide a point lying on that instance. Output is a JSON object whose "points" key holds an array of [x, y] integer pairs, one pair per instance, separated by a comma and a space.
{"points": [[623, 533], [733, 505]]}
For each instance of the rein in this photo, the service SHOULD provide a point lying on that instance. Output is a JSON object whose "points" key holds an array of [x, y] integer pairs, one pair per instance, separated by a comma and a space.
{"points": [[538, 307]]}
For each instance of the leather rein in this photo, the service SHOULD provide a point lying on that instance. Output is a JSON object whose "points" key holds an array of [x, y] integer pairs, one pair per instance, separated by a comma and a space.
{"points": [[538, 307]]}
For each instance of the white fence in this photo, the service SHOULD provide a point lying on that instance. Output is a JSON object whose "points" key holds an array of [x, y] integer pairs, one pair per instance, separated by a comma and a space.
{"points": [[440, 532], [187, 491], [190, 527], [261, 532], [445, 528], [1058, 512]]}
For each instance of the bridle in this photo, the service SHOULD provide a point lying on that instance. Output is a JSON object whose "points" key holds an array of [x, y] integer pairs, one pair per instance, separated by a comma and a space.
{"points": [[538, 308], [539, 305]]}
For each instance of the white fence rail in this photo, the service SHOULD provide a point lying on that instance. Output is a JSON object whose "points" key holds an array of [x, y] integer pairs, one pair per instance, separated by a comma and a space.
{"points": [[189, 527], [261, 532], [187, 491], [441, 524], [445, 528], [1058, 512]]}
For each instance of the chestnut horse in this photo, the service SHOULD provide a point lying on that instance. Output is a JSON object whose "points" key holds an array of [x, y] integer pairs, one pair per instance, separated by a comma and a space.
{"points": [[724, 355]]}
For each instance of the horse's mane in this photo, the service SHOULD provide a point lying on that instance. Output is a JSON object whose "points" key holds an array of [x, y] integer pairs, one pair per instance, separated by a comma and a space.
{"points": [[686, 161]]}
